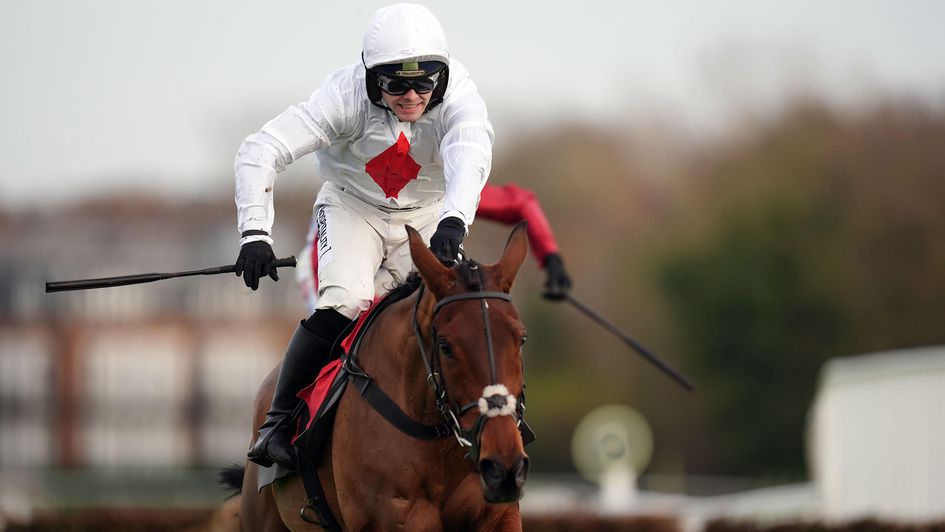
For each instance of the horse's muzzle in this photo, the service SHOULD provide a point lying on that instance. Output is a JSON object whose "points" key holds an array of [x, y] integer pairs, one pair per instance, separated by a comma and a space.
{"points": [[501, 484]]}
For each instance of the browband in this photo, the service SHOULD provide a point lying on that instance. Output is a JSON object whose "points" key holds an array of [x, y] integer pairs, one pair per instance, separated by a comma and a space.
{"points": [[470, 295]]}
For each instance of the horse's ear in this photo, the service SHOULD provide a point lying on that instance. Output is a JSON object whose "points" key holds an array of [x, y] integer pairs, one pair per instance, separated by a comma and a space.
{"points": [[431, 269], [512, 258]]}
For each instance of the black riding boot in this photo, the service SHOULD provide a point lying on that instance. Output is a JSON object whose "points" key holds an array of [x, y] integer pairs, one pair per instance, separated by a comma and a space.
{"points": [[308, 351]]}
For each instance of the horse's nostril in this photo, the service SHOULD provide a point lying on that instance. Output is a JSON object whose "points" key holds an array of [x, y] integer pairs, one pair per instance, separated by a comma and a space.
{"points": [[492, 473], [521, 472]]}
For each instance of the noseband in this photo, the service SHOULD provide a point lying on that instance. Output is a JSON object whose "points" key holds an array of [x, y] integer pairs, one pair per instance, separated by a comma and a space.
{"points": [[495, 400]]}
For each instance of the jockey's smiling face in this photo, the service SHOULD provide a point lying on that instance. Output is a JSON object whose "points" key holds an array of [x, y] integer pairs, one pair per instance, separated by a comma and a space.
{"points": [[408, 106]]}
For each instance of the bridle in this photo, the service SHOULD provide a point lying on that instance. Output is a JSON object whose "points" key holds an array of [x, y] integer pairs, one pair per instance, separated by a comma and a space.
{"points": [[495, 400]]}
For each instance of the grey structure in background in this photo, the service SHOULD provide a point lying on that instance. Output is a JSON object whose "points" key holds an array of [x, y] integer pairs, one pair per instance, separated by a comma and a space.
{"points": [[157, 375]]}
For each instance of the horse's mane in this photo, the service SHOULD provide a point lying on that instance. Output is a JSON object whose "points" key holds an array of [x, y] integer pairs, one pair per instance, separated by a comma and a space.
{"points": [[469, 273], [407, 287], [467, 270]]}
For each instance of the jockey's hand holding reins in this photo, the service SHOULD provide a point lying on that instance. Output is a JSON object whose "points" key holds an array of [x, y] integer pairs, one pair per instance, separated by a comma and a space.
{"points": [[447, 242]]}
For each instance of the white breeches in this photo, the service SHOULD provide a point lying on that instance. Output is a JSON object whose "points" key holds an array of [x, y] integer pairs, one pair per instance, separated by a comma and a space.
{"points": [[362, 250]]}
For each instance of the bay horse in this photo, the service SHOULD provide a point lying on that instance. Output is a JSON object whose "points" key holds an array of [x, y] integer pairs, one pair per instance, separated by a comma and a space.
{"points": [[449, 353]]}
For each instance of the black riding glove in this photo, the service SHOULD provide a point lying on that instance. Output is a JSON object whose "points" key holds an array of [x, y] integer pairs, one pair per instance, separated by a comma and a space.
{"points": [[447, 241], [255, 261], [557, 282]]}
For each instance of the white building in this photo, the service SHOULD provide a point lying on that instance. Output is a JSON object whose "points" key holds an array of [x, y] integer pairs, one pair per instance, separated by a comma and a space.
{"points": [[876, 441]]}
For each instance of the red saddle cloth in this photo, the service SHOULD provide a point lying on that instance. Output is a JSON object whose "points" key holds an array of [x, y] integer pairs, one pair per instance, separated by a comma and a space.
{"points": [[317, 393]]}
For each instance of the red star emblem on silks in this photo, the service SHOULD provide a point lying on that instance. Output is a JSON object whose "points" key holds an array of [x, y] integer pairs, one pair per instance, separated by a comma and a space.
{"points": [[393, 168]]}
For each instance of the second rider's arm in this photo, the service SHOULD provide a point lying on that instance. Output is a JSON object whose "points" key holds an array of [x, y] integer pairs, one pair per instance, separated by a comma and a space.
{"points": [[511, 204]]}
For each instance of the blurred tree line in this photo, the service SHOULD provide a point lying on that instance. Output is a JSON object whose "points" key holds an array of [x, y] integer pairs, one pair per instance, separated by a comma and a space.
{"points": [[746, 262]]}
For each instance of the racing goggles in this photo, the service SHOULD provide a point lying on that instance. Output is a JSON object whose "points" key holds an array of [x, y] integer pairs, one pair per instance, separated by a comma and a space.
{"points": [[395, 85]]}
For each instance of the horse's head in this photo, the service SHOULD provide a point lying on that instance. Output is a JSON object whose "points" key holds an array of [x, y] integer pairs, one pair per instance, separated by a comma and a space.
{"points": [[476, 338]]}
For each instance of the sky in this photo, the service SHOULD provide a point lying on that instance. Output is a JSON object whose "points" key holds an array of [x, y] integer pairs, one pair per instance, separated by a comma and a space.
{"points": [[100, 96]]}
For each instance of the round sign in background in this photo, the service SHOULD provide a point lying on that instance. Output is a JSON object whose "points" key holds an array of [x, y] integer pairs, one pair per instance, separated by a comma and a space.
{"points": [[611, 436]]}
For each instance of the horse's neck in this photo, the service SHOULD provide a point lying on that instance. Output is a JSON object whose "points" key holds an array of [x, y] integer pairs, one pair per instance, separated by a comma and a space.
{"points": [[394, 358]]}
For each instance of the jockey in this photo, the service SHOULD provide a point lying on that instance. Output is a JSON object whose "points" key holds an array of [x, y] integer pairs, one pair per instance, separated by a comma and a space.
{"points": [[507, 204], [400, 137]]}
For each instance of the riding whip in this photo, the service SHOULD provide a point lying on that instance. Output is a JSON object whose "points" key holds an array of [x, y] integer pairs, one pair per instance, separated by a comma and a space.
{"points": [[122, 280], [655, 360]]}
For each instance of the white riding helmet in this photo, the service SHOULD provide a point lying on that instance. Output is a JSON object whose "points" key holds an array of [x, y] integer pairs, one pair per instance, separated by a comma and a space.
{"points": [[404, 31], [409, 36]]}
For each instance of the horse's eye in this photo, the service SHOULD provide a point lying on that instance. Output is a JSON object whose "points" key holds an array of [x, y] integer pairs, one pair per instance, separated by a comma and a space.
{"points": [[444, 348], [522, 342]]}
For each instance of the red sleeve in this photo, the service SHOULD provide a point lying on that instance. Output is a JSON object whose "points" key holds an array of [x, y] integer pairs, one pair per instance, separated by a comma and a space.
{"points": [[511, 204]]}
